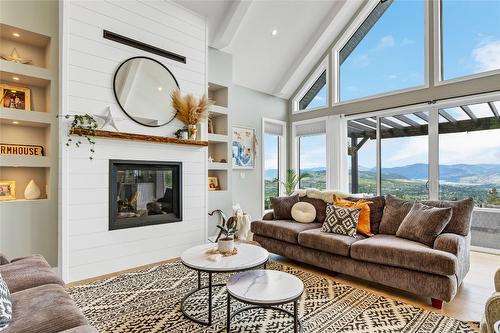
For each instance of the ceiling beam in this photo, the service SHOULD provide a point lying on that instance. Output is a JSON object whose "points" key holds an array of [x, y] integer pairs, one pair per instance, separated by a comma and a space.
{"points": [[359, 126], [390, 123], [364, 121], [407, 120], [320, 42], [494, 109], [469, 112], [422, 116], [228, 28], [447, 116]]}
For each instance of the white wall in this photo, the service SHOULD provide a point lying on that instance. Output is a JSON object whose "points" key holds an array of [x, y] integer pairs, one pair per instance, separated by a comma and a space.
{"points": [[248, 107], [88, 65]]}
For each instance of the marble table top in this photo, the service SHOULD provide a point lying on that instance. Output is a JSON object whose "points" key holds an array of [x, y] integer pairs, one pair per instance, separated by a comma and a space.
{"points": [[248, 256], [265, 286]]}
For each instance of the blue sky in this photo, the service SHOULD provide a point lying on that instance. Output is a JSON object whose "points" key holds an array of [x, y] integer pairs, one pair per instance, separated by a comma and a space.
{"points": [[391, 57]]}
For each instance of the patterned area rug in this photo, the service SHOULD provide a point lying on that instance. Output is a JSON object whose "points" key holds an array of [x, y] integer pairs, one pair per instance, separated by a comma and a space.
{"points": [[149, 301]]}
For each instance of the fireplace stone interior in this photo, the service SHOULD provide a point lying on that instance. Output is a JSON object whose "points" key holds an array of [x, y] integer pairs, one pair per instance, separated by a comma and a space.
{"points": [[144, 193]]}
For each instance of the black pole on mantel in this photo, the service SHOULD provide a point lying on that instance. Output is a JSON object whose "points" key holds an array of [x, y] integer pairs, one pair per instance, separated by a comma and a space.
{"points": [[143, 46]]}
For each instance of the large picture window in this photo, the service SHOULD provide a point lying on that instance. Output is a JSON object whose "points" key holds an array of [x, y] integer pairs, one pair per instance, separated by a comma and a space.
{"points": [[273, 163], [450, 152], [470, 37], [386, 53]]}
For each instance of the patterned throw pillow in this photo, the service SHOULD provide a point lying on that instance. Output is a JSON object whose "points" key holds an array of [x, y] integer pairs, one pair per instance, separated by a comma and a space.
{"points": [[341, 220], [5, 305]]}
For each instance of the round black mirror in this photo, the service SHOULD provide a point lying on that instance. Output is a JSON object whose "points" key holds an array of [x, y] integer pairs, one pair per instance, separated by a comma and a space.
{"points": [[142, 88]]}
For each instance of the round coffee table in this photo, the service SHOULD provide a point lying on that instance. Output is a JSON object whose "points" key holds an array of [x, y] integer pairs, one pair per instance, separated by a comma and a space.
{"points": [[264, 289], [248, 257]]}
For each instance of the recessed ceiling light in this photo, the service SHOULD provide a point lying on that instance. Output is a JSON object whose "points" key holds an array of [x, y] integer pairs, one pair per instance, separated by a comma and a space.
{"points": [[15, 122], [15, 78], [274, 32], [15, 34], [160, 88]]}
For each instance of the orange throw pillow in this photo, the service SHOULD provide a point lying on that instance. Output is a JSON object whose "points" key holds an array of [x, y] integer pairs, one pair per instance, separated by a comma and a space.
{"points": [[363, 226]]}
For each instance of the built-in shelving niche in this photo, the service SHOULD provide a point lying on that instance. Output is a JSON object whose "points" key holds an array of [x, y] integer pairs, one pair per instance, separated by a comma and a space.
{"points": [[23, 175]]}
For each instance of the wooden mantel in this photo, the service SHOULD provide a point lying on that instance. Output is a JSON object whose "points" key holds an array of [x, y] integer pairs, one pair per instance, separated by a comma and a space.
{"points": [[137, 137]]}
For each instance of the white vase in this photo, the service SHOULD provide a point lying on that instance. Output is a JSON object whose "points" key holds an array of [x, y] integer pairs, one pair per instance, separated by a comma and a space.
{"points": [[32, 191], [225, 245]]}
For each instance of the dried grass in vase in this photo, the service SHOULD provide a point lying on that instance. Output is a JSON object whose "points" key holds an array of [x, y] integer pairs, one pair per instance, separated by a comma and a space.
{"points": [[190, 110]]}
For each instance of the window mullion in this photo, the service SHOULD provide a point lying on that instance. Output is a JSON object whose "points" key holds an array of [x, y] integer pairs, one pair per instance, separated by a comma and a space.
{"points": [[433, 130]]}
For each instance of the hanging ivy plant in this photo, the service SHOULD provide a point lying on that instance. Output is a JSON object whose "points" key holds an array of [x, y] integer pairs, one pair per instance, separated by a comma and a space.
{"points": [[87, 126]]}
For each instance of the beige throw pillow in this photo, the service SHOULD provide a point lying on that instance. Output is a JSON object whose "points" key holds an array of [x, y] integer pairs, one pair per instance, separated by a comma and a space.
{"points": [[303, 212]]}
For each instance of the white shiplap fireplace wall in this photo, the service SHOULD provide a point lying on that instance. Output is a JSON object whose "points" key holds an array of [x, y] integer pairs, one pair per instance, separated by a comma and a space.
{"points": [[88, 63]]}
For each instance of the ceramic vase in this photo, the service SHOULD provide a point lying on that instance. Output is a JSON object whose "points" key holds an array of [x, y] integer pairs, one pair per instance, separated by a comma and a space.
{"points": [[32, 191], [225, 245]]}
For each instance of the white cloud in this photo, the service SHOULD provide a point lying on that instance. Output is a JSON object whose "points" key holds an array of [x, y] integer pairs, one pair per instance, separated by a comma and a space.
{"points": [[407, 41], [487, 55], [392, 76], [319, 98], [385, 42], [360, 61]]}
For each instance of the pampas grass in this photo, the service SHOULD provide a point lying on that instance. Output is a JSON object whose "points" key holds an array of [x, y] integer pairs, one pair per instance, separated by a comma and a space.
{"points": [[190, 110]]}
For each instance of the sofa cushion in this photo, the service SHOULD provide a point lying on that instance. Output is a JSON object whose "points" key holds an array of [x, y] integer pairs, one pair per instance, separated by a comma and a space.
{"points": [[424, 223], [320, 206], [341, 220], [460, 217], [5, 305], [304, 212], [398, 252], [44, 309], [287, 231], [376, 210], [363, 226], [395, 211], [282, 206], [327, 242], [27, 273]]}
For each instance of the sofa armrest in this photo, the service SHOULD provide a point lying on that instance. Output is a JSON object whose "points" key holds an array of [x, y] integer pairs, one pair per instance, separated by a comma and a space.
{"points": [[459, 246], [268, 216], [492, 312], [3, 259]]}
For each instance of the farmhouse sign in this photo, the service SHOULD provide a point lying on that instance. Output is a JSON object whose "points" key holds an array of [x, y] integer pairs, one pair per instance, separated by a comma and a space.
{"points": [[20, 150]]}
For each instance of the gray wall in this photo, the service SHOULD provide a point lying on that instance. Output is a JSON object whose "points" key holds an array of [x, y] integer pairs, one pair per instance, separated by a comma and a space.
{"points": [[248, 107]]}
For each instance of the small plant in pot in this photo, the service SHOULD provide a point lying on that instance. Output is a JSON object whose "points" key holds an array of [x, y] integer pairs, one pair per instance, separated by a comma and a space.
{"points": [[226, 243]]}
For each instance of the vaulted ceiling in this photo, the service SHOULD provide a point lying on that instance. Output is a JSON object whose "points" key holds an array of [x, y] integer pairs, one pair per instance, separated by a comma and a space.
{"points": [[273, 63]]}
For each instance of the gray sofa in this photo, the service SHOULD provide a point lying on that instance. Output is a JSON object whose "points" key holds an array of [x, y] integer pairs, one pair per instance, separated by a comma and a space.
{"points": [[434, 272], [39, 302]]}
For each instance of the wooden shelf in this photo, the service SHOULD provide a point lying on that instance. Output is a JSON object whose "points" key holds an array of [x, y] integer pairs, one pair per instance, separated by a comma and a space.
{"points": [[139, 137], [217, 137], [32, 75], [24, 161], [26, 118], [217, 166], [218, 110]]}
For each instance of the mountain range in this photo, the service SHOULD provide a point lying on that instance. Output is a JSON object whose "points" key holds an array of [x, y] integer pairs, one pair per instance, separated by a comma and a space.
{"points": [[480, 174]]}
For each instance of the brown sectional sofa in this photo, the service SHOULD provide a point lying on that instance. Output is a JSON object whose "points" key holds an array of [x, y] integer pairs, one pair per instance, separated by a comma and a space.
{"points": [[434, 272], [40, 303]]}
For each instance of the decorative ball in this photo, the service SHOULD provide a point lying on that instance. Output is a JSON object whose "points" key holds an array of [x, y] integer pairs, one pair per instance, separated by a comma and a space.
{"points": [[303, 212]]}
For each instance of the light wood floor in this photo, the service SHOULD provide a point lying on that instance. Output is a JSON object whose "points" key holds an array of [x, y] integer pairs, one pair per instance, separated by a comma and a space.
{"points": [[467, 305]]}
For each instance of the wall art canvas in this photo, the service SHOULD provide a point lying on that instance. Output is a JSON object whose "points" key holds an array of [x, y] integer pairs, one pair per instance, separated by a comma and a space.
{"points": [[243, 147]]}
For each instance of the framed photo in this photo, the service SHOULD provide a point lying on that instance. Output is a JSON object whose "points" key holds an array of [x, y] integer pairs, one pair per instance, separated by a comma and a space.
{"points": [[7, 190], [210, 125], [244, 142], [213, 184], [15, 97]]}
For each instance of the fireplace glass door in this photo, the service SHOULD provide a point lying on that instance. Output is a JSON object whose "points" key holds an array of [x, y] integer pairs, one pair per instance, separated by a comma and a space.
{"points": [[144, 193]]}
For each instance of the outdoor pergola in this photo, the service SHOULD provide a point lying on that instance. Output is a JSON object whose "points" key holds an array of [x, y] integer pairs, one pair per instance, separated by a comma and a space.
{"points": [[465, 118]]}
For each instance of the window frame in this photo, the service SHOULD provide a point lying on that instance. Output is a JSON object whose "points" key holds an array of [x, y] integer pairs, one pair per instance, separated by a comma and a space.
{"points": [[295, 147], [324, 66], [346, 36], [438, 52], [282, 159]]}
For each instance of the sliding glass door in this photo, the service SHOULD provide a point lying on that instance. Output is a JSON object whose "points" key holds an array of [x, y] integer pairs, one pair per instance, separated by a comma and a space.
{"points": [[404, 155], [448, 151]]}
